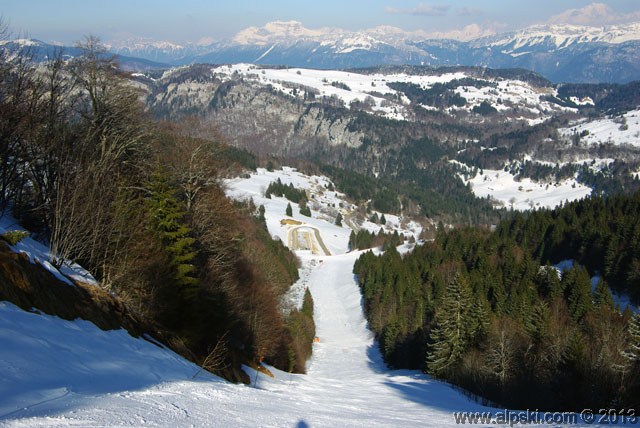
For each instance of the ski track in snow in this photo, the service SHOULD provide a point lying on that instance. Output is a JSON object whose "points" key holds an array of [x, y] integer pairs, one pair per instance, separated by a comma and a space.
{"points": [[78, 375], [58, 373]]}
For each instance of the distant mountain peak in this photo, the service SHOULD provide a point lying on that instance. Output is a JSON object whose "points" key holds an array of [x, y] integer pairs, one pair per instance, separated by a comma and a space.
{"points": [[277, 30], [137, 43]]}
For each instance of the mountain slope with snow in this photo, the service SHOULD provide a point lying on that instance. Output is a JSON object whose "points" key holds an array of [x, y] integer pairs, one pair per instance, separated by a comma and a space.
{"points": [[558, 37], [620, 130], [561, 53], [525, 194], [373, 91]]}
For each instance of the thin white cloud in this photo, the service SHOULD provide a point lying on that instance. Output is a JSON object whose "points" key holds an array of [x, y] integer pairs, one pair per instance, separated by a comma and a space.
{"points": [[469, 11], [420, 10], [594, 14]]}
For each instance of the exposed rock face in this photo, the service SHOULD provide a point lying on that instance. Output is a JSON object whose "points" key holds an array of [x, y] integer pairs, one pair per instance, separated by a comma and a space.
{"points": [[256, 117]]}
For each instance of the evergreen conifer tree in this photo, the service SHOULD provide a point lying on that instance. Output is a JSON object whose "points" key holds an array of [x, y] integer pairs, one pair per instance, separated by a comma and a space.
{"points": [[578, 285], [450, 335], [289, 210], [549, 283], [304, 209], [479, 314], [602, 297], [167, 218], [538, 325], [632, 353], [353, 244]]}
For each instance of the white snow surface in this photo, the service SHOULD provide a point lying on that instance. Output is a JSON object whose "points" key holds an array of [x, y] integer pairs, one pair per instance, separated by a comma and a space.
{"points": [[620, 130], [566, 35], [526, 194], [324, 204]]}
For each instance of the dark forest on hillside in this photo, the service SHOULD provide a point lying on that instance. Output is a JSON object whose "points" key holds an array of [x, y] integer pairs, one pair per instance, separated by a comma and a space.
{"points": [[487, 311]]}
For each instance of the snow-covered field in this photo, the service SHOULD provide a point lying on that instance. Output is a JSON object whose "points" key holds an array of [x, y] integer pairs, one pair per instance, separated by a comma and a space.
{"points": [[526, 194], [393, 223], [324, 205], [624, 129], [349, 86]]}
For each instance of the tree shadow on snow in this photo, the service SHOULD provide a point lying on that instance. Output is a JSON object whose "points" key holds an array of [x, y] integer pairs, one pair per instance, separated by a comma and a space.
{"points": [[53, 366], [421, 389], [375, 360]]}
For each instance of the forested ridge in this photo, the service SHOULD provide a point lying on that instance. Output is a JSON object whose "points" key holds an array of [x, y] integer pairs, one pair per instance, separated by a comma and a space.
{"points": [[401, 163], [487, 311], [141, 206]]}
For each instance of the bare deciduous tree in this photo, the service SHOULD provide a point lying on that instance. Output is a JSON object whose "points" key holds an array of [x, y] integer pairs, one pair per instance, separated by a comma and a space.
{"points": [[216, 360]]}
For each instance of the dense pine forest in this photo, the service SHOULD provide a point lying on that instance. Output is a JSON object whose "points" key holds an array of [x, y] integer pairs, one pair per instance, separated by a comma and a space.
{"points": [[487, 311], [140, 205]]}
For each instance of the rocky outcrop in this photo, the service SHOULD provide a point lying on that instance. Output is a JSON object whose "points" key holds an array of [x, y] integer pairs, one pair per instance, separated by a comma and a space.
{"points": [[271, 122]]}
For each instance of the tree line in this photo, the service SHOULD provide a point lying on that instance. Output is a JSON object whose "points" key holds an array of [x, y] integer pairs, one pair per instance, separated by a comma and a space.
{"points": [[487, 310]]}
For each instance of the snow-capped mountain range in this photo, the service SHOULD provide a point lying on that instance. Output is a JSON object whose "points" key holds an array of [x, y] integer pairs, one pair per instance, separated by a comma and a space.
{"points": [[564, 36], [561, 53]]}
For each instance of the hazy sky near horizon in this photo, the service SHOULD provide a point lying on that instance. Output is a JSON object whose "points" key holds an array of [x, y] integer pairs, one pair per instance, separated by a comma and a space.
{"points": [[184, 21]]}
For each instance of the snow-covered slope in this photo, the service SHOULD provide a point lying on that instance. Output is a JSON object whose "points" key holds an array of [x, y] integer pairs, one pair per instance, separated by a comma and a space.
{"points": [[372, 90], [503, 189], [624, 129], [64, 373], [281, 31], [38, 253], [60, 373], [563, 53], [558, 37], [325, 205], [291, 33]]}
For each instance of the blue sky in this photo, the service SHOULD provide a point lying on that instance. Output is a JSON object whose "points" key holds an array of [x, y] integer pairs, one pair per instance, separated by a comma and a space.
{"points": [[190, 20]]}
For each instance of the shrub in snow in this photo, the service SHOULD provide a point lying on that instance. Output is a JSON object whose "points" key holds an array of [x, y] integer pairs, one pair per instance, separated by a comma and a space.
{"points": [[14, 236]]}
